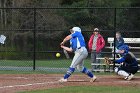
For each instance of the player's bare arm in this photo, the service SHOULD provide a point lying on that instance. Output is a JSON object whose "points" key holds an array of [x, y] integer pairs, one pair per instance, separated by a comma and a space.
{"points": [[66, 39], [67, 48]]}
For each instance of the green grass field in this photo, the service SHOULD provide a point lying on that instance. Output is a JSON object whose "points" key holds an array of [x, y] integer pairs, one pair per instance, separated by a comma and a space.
{"points": [[45, 66], [41, 63], [89, 89]]}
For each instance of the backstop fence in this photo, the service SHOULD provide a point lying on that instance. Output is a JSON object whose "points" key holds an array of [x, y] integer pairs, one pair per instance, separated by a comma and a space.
{"points": [[33, 35]]}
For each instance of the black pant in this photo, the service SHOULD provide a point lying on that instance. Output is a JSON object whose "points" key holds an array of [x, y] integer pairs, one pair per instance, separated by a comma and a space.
{"points": [[129, 69]]}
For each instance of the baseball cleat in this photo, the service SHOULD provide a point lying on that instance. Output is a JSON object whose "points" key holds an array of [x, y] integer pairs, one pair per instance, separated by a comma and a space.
{"points": [[63, 80], [93, 79], [129, 77]]}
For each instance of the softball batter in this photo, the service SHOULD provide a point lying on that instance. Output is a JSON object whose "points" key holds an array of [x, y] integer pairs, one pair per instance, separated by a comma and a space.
{"points": [[77, 43]]}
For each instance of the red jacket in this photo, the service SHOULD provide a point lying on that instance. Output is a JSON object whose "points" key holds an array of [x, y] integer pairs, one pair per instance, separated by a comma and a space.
{"points": [[99, 44]]}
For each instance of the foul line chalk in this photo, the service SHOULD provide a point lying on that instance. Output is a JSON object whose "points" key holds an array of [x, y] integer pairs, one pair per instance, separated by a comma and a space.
{"points": [[24, 85]]}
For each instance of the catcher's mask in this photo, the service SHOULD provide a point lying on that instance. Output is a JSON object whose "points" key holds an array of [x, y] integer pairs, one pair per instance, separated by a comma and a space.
{"points": [[125, 48], [78, 29]]}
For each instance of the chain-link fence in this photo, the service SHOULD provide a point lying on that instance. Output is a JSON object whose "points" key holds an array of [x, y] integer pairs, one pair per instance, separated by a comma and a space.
{"points": [[33, 35]]}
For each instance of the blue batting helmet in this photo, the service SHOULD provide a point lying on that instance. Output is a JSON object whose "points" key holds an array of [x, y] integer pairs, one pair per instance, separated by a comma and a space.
{"points": [[78, 29], [125, 48]]}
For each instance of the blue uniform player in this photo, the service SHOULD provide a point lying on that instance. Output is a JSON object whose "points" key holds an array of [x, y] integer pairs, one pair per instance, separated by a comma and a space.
{"points": [[129, 64], [77, 43]]}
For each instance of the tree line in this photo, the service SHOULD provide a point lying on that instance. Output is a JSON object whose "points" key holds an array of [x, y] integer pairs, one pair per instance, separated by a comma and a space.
{"points": [[52, 24]]}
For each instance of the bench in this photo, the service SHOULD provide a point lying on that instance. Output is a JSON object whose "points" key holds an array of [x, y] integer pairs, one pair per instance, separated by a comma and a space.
{"points": [[105, 67], [111, 41], [126, 40]]}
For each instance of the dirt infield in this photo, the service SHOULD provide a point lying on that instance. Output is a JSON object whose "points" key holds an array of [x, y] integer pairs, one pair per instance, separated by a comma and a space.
{"points": [[24, 82]]}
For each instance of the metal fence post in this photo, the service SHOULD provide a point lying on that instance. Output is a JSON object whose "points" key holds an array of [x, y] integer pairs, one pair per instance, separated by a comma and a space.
{"points": [[34, 35], [114, 37]]}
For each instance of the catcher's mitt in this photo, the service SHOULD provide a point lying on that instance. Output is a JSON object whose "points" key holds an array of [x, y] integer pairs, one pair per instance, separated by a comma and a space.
{"points": [[107, 61]]}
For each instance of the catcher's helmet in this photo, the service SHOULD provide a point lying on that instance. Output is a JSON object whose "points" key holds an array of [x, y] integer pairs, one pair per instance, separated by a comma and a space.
{"points": [[125, 48], [76, 29]]}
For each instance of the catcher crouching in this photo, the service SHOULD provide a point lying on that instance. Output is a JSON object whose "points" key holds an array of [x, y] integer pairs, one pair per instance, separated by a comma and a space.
{"points": [[129, 63]]}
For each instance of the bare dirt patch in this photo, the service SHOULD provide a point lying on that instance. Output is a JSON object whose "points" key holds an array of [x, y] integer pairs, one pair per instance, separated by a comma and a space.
{"points": [[11, 83]]}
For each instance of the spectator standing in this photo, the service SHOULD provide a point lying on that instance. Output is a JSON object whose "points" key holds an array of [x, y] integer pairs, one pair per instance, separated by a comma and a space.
{"points": [[95, 44]]}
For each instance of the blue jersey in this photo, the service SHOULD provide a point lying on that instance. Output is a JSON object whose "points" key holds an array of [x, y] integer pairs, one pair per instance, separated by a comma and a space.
{"points": [[129, 60], [77, 40]]}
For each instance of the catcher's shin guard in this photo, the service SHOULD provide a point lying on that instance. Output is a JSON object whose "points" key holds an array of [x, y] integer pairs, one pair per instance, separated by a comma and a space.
{"points": [[123, 73]]}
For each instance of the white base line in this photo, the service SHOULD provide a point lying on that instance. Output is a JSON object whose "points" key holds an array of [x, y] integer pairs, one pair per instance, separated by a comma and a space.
{"points": [[24, 85], [14, 77], [28, 77], [20, 77]]}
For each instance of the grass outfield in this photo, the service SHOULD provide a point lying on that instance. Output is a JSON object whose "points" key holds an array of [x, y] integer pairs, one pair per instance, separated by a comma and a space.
{"points": [[44, 66], [50, 64], [41, 63], [89, 89]]}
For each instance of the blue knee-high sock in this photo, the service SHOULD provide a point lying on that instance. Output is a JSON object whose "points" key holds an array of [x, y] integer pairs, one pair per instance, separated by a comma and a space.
{"points": [[69, 72], [87, 72]]}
